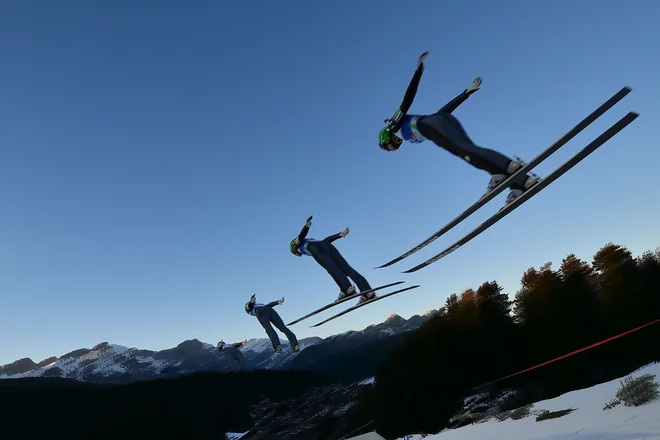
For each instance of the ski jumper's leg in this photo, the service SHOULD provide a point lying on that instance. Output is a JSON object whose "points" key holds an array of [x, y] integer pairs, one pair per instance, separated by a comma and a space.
{"points": [[241, 359], [264, 319], [447, 132], [230, 357], [346, 268], [235, 355], [320, 252], [277, 322]]}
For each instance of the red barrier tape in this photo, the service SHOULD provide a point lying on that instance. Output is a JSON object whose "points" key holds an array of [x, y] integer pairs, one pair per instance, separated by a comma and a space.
{"points": [[571, 353]]}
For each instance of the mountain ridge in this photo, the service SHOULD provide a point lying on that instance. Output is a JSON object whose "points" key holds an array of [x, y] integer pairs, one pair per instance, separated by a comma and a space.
{"points": [[112, 363]]}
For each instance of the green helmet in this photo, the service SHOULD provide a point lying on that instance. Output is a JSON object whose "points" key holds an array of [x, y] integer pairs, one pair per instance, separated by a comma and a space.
{"points": [[388, 141], [384, 136]]}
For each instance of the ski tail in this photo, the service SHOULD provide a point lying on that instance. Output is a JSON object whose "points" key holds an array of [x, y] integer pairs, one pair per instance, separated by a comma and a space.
{"points": [[525, 169]]}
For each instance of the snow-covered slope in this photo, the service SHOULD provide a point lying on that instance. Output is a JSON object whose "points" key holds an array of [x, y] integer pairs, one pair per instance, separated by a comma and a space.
{"points": [[588, 422], [112, 363]]}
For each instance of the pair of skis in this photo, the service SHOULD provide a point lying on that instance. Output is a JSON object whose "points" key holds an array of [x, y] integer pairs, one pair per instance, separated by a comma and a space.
{"points": [[582, 154], [355, 307]]}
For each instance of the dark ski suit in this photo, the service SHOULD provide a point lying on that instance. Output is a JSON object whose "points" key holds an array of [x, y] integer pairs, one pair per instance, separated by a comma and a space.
{"points": [[327, 255], [267, 316], [231, 351], [446, 131]]}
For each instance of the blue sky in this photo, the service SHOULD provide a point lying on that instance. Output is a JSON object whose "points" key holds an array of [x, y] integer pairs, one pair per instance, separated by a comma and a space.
{"points": [[157, 157]]}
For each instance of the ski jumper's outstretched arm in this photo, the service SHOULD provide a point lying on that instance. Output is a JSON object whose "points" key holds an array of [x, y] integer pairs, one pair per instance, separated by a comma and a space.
{"points": [[237, 344], [303, 232], [333, 237], [409, 97], [336, 236], [275, 303], [460, 99]]}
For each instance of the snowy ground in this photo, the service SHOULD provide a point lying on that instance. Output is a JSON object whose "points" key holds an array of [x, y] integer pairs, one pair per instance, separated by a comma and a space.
{"points": [[588, 422]]}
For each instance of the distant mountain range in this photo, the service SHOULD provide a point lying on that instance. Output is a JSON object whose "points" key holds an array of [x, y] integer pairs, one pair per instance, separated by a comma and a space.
{"points": [[349, 355]]}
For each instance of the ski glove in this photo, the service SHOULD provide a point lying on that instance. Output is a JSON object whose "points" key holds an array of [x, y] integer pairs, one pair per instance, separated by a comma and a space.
{"points": [[344, 233], [474, 86]]}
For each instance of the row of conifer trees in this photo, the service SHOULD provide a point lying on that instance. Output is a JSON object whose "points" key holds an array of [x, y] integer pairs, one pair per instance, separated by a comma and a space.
{"points": [[484, 334]]}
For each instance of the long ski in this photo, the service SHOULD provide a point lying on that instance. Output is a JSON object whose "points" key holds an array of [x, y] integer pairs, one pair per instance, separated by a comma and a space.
{"points": [[590, 148], [343, 300], [528, 167], [365, 303]]}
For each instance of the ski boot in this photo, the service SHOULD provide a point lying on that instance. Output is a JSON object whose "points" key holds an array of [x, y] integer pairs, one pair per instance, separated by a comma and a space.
{"points": [[296, 349], [367, 297], [496, 179], [278, 349], [532, 180], [515, 165], [349, 292]]}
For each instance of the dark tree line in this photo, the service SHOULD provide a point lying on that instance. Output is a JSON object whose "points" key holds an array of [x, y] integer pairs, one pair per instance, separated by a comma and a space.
{"points": [[482, 335], [199, 406]]}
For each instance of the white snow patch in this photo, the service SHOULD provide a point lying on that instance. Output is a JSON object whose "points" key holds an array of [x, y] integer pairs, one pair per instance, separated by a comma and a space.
{"points": [[474, 397], [258, 345], [119, 349], [588, 422], [367, 381], [343, 409]]}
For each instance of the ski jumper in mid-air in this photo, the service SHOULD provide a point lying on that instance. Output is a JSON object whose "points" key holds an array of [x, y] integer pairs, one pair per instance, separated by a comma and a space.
{"points": [[267, 316], [443, 129], [231, 351], [327, 255]]}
